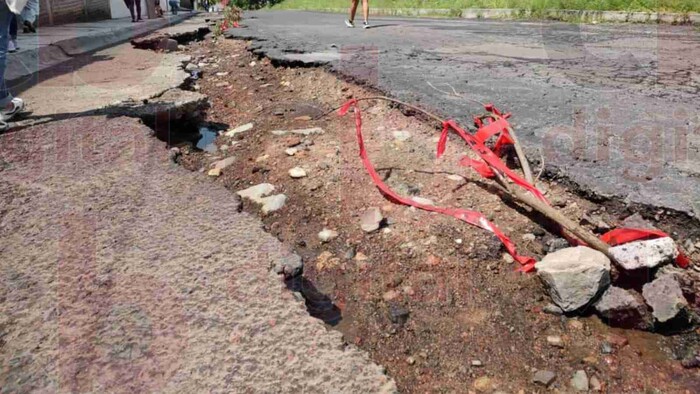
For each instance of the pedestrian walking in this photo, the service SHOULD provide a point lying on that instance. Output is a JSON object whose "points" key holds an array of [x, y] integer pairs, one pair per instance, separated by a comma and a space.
{"points": [[134, 7], [29, 15], [12, 44], [174, 6], [365, 13], [159, 9], [9, 106]]}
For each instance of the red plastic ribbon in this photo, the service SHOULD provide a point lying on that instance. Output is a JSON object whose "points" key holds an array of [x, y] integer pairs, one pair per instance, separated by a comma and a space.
{"points": [[489, 160], [471, 217], [621, 236], [478, 166]]}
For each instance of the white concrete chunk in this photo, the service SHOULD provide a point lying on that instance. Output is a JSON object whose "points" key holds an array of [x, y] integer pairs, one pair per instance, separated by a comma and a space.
{"points": [[645, 254]]}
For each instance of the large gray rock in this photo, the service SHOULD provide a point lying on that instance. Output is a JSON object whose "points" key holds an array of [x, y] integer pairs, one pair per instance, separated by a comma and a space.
{"points": [[574, 276], [623, 308], [665, 297], [645, 254]]}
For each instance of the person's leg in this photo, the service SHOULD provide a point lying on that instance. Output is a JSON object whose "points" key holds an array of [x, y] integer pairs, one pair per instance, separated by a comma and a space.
{"points": [[12, 43], [5, 20], [137, 3], [365, 10], [130, 6], [353, 11], [30, 12]]}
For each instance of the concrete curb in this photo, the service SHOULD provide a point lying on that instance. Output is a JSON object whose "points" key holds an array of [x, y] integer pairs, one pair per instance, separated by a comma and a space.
{"points": [[509, 13], [28, 62]]}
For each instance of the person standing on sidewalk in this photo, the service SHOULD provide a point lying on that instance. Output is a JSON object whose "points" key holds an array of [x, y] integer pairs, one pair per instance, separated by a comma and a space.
{"points": [[365, 13], [174, 6], [29, 15], [12, 44], [9, 106], [131, 4]]}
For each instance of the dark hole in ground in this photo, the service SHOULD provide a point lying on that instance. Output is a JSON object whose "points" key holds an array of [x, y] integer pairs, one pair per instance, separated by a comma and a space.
{"points": [[154, 42], [191, 132], [318, 304]]}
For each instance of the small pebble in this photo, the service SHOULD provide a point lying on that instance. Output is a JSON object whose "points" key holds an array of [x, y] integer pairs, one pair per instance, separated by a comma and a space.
{"points": [[297, 172], [555, 340]]}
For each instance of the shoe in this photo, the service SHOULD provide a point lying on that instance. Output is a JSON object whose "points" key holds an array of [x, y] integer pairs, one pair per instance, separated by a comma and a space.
{"points": [[349, 23], [365, 25], [4, 126], [29, 27], [12, 46], [8, 113]]}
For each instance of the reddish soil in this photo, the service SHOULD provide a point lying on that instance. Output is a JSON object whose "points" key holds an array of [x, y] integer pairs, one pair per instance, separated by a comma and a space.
{"points": [[465, 302]]}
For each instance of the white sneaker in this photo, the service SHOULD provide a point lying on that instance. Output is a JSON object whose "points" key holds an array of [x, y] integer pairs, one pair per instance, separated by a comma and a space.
{"points": [[8, 113], [12, 46], [365, 25], [349, 23]]}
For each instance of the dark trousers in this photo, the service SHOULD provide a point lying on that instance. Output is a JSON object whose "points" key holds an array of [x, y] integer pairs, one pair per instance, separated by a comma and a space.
{"points": [[13, 27], [131, 4]]}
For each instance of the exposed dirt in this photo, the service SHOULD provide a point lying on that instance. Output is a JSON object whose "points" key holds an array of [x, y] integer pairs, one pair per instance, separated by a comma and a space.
{"points": [[464, 301]]}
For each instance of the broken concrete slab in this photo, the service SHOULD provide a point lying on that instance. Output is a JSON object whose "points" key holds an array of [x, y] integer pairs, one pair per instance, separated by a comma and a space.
{"points": [[665, 297], [645, 254], [574, 276], [623, 308], [131, 79], [172, 104]]}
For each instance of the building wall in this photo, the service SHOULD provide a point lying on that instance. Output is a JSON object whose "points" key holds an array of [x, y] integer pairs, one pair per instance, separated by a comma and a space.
{"points": [[67, 11]]}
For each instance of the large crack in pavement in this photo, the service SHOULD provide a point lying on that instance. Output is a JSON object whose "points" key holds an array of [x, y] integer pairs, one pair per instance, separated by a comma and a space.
{"points": [[119, 274], [612, 108]]}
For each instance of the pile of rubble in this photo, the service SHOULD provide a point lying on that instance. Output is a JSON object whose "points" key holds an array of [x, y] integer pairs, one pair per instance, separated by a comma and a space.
{"points": [[639, 288]]}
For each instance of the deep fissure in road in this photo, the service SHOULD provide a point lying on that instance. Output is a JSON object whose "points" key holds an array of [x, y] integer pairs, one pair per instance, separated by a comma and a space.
{"points": [[412, 305]]}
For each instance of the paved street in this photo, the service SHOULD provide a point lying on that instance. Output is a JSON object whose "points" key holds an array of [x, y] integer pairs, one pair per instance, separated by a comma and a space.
{"points": [[614, 107], [121, 271]]}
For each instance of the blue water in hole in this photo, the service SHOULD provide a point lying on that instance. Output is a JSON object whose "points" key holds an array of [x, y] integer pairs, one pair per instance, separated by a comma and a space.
{"points": [[208, 135]]}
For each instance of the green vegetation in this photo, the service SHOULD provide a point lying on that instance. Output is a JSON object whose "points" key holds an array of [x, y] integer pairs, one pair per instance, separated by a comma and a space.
{"points": [[681, 6]]}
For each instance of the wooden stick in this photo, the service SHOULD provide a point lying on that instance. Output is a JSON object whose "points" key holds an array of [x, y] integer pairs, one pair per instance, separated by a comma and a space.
{"points": [[524, 164]]}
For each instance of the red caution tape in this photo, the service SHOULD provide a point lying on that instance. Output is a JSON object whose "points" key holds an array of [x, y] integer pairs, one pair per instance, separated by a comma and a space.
{"points": [[471, 217], [621, 236], [478, 166], [489, 160]]}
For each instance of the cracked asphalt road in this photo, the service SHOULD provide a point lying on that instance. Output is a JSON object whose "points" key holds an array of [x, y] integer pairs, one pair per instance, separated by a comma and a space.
{"points": [[614, 108]]}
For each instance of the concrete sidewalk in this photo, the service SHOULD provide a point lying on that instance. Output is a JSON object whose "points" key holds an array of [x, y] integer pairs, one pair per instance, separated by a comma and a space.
{"points": [[53, 45]]}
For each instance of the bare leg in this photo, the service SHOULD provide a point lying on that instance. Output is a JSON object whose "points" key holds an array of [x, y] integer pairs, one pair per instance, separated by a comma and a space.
{"points": [[353, 9], [365, 10]]}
